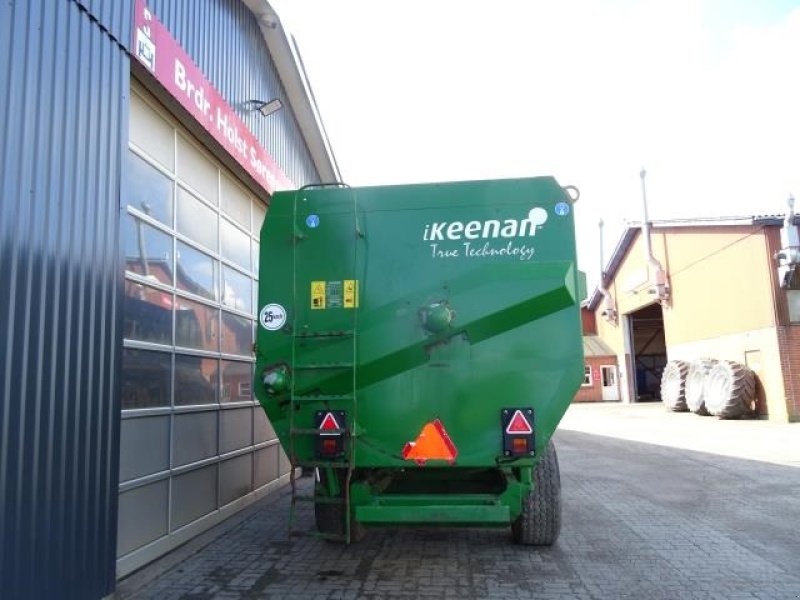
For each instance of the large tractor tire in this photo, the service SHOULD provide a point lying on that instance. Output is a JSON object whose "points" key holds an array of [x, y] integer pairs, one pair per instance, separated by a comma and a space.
{"points": [[330, 517], [730, 390], [673, 385], [540, 521], [695, 385]]}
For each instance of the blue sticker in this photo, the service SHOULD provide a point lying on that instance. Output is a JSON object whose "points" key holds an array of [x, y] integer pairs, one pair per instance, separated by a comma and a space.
{"points": [[562, 209], [312, 221]]}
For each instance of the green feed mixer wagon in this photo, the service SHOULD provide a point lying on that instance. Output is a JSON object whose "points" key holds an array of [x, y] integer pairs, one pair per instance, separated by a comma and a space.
{"points": [[417, 346]]}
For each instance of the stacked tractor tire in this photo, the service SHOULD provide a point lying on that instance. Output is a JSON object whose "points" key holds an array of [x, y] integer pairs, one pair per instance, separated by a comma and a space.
{"points": [[722, 388]]}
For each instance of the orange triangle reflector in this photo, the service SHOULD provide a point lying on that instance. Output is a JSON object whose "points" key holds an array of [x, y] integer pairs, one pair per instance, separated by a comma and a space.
{"points": [[432, 443], [519, 424]]}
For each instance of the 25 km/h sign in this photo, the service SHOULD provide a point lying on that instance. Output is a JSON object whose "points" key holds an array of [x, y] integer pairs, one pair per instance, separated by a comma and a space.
{"points": [[272, 317]]}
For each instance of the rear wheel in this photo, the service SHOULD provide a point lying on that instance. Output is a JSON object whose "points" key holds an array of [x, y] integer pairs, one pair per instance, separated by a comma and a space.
{"points": [[331, 517], [540, 521]]}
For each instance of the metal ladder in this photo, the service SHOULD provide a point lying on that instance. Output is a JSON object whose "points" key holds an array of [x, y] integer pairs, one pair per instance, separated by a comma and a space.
{"points": [[303, 342]]}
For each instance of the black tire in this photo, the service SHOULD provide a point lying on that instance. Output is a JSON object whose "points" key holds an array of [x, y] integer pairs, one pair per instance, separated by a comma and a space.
{"points": [[695, 385], [673, 385], [540, 521], [330, 518], [730, 390]]}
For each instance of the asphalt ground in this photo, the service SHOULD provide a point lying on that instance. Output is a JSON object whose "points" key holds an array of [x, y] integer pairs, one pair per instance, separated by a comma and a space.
{"points": [[655, 505]]}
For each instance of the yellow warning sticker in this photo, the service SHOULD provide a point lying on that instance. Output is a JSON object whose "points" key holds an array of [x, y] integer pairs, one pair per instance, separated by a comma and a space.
{"points": [[317, 295], [351, 293]]}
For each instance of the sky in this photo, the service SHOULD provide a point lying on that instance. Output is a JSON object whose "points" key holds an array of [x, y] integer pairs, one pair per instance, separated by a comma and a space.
{"points": [[704, 94]]}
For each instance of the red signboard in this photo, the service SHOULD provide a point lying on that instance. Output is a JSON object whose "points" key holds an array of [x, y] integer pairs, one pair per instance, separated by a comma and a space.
{"points": [[157, 50]]}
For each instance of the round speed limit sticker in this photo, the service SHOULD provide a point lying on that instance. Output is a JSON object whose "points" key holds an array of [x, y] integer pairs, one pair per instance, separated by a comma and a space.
{"points": [[272, 317]]}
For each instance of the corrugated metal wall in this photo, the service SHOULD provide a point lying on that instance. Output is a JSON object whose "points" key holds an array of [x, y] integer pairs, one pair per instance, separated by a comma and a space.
{"points": [[243, 71], [63, 89]]}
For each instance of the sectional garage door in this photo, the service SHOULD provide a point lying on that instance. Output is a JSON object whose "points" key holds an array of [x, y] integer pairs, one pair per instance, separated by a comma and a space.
{"points": [[195, 447]]}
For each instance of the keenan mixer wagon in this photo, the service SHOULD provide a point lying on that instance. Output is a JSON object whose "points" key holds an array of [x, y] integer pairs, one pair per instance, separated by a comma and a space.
{"points": [[417, 346]]}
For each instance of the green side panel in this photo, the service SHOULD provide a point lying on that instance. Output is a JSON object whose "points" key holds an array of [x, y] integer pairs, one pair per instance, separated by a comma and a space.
{"points": [[500, 255]]}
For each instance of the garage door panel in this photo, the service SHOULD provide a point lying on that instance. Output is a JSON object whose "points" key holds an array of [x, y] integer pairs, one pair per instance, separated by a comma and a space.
{"points": [[194, 494], [235, 478], [144, 446], [266, 465], [236, 429], [194, 437], [142, 516]]}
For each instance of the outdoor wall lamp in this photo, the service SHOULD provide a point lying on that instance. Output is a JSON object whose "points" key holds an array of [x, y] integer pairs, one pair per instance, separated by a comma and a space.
{"points": [[266, 108]]}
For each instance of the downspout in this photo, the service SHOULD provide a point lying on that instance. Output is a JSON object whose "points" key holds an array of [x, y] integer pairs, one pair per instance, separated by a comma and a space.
{"points": [[789, 255], [655, 272], [610, 310]]}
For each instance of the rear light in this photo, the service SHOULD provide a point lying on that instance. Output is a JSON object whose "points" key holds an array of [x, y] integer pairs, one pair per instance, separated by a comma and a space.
{"points": [[518, 433], [330, 447], [332, 427]]}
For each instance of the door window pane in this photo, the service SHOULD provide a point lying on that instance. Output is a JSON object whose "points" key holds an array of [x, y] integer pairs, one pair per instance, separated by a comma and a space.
{"points": [[148, 314], [198, 171], [236, 381], [195, 380], [237, 290], [236, 334], [196, 325], [235, 244], [196, 272], [259, 212], [148, 190], [151, 133], [256, 257], [793, 297], [196, 221], [146, 377], [235, 202], [148, 252]]}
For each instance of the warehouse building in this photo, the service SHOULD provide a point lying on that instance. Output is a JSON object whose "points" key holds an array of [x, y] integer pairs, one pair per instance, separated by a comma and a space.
{"points": [[141, 142], [722, 288]]}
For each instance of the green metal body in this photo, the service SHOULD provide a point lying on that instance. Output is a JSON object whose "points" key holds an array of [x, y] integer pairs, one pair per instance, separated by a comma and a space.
{"points": [[467, 303]]}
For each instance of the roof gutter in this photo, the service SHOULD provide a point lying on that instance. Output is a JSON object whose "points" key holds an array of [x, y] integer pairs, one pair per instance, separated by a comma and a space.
{"points": [[292, 73]]}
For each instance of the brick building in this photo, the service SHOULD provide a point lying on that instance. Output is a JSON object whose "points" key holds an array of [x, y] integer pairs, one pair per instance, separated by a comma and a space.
{"points": [[601, 377]]}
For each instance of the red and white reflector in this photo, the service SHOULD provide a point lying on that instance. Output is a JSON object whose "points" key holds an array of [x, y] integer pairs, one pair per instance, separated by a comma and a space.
{"points": [[331, 428], [519, 425], [330, 424]]}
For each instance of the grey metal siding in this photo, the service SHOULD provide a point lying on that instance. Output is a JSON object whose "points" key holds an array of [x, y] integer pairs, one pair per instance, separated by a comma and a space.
{"points": [[224, 40], [113, 15], [63, 87]]}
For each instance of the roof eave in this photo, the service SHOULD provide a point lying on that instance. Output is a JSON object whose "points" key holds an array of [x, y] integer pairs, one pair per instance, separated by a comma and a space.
{"points": [[286, 56]]}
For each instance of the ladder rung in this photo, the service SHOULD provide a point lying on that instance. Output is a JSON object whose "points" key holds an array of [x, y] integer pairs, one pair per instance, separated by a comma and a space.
{"points": [[304, 431], [325, 334], [323, 397], [320, 366]]}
